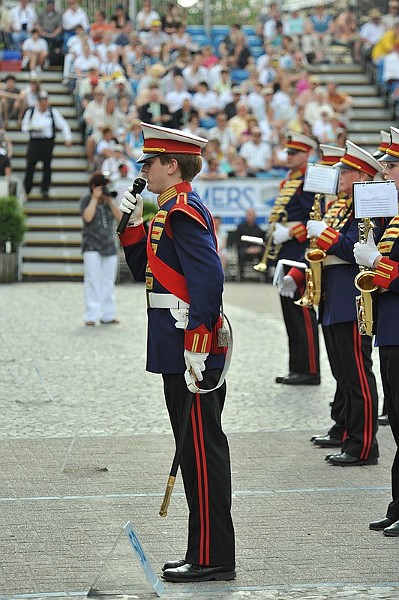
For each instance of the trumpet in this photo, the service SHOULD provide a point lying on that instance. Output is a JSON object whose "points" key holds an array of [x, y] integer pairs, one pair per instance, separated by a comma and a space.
{"points": [[315, 256], [271, 251], [364, 283]]}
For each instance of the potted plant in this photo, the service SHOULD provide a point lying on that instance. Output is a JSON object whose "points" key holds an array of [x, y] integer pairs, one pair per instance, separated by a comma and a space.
{"points": [[12, 229]]}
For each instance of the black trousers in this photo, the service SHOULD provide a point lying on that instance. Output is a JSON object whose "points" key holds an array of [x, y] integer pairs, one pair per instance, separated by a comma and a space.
{"points": [[350, 358], [389, 367], [205, 468], [341, 395], [303, 337], [39, 149]]}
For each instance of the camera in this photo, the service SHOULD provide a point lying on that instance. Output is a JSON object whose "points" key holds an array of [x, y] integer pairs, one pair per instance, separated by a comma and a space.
{"points": [[108, 192]]}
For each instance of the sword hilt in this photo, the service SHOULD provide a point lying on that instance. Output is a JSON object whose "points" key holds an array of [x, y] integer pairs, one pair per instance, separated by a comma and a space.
{"points": [[163, 511]]}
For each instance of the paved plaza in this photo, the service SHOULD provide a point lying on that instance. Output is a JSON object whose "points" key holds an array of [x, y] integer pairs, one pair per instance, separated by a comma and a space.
{"points": [[85, 447]]}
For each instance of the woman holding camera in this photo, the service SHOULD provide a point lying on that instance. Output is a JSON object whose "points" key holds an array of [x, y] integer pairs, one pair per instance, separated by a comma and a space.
{"points": [[100, 257]]}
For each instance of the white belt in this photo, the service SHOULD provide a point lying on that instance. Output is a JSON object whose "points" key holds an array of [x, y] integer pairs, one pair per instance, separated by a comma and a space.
{"points": [[331, 259], [165, 301]]}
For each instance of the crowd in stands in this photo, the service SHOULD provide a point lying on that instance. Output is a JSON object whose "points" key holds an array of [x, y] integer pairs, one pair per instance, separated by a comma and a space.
{"points": [[242, 89]]}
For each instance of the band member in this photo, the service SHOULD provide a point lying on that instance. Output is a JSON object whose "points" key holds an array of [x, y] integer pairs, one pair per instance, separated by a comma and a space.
{"points": [[384, 259], [289, 216], [349, 352], [184, 281]]}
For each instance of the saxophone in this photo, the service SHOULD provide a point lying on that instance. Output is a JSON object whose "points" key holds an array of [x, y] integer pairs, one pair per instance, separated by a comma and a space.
{"points": [[364, 283], [314, 256], [271, 251]]}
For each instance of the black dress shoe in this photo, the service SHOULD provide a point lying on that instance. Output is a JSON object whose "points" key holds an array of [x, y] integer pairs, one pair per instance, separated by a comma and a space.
{"points": [[347, 460], [173, 564], [326, 441], [188, 573], [392, 530], [383, 420], [380, 525], [281, 378], [300, 379]]}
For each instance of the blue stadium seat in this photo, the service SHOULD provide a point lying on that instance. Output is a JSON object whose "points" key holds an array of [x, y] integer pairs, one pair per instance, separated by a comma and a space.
{"points": [[195, 29], [217, 30], [253, 40], [238, 75], [257, 51], [249, 30], [201, 40]]}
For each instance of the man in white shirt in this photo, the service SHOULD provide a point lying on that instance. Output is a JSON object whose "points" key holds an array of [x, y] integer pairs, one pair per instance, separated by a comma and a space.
{"points": [[41, 122], [371, 32], [174, 99], [257, 153], [34, 52], [22, 20], [73, 16], [223, 133]]}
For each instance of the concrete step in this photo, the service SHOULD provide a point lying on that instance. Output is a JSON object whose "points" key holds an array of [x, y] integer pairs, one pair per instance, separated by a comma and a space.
{"points": [[51, 253], [370, 102], [352, 78], [334, 69], [51, 208], [57, 164], [365, 126], [22, 137], [366, 90], [365, 140], [60, 150], [55, 222], [60, 192], [14, 128], [52, 238], [50, 75], [64, 179], [51, 271], [365, 114]]}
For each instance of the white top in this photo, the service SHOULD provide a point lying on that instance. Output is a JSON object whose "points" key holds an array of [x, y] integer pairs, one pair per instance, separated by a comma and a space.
{"points": [[40, 125], [19, 16], [31, 45], [257, 155], [71, 18], [174, 99]]}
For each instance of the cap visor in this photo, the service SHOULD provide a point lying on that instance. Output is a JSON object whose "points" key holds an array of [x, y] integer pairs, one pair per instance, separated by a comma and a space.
{"points": [[145, 157], [389, 158], [340, 165]]}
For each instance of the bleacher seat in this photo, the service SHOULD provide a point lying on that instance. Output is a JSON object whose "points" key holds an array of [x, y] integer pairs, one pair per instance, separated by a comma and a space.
{"points": [[219, 30], [249, 30], [201, 40], [253, 40], [257, 51], [196, 29], [239, 75]]}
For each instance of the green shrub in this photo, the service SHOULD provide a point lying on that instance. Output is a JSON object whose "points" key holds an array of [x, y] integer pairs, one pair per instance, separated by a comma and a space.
{"points": [[12, 223]]}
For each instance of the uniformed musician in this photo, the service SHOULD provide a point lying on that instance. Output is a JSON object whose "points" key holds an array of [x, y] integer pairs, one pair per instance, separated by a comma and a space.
{"points": [[184, 282], [384, 258], [289, 216]]}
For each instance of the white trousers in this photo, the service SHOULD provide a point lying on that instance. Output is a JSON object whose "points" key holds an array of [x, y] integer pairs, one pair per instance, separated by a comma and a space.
{"points": [[99, 286]]}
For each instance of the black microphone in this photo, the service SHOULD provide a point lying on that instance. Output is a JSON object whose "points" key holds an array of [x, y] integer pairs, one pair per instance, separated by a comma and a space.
{"points": [[138, 186]]}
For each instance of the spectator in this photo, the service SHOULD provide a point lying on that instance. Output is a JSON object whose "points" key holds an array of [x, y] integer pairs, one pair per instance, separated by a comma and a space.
{"points": [[248, 252], [209, 58], [229, 40], [120, 88], [231, 107], [340, 101], [182, 116], [174, 98], [110, 68], [313, 108], [135, 62], [371, 32], [99, 26], [154, 111], [85, 61], [133, 141], [74, 48], [392, 15], [9, 93], [390, 70], [222, 132], [170, 20], [309, 95], [322, 128], [100, 258], [256, 152], [318, 34], [146, 16], [111, 164], [279, 152], [122, 37], [28, 97], [5, 164], [41, 121], [238, 124], [49, 24], [195, 73], [154, 39], [270, 21], [34, 52], [213, 171], [240, 57], [385, 44], [120, 18], [4, 26], [104, 147], [22, 20], [294, 24], [346, 32], [205, 102], [180, 38], [73, 16], [106, 46], [240, 168], [193, 126], [221, 82]]}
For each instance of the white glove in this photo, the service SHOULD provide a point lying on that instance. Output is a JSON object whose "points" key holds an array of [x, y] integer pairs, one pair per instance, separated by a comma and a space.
{"points": [[315, 228], [365, 254], [281, 234], [132, 204], [195, 363], [287, 287]]}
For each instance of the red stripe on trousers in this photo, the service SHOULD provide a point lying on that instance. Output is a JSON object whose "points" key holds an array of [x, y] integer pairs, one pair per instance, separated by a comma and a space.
{"points": [[199, 483], [310, 337], [357, 344], [205, 478]]}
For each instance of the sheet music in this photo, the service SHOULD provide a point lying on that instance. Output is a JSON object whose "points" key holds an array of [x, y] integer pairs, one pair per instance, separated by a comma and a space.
{"points": [[375, 199]]}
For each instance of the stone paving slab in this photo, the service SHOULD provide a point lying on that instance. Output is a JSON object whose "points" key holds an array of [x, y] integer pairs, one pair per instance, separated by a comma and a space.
{"points": [[302, 525]]}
